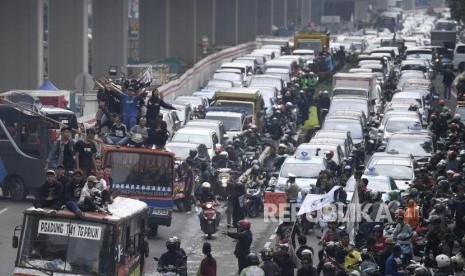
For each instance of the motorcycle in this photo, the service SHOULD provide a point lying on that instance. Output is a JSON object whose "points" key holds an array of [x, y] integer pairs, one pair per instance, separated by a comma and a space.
{"points": [[168, 270], [254, 202], [223, 178], [209, 222], [180, 199]]}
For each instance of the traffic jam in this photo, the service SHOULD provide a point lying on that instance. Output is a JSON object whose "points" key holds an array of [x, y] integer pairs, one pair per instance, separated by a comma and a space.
{"points": [[355, 140]]}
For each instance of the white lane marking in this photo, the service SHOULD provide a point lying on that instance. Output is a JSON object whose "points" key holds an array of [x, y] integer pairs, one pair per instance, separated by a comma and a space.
{"points": [[267, 244], [272, 237], [3, 210]]}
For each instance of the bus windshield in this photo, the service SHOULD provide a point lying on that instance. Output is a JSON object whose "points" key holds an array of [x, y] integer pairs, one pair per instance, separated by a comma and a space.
{"points": [[64, 245], [141, 171]]}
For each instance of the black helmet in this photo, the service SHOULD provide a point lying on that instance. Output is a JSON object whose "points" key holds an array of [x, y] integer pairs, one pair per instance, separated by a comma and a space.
{"points": [[177, 241], [192, 152], [252, 259], [421, 271], [329, 268], [378, 228], [171, 244], [267, 254], [439, 208], [330, 249], [413, 192], [435, 219], [440, 178], [443, 184]]}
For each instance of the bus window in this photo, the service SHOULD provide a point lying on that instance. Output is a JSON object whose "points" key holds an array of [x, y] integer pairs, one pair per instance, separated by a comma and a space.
{"points": [[30, 134], [135, 169]]}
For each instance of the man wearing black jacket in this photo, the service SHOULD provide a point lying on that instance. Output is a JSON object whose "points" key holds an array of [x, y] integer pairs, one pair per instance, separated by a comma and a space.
{"points": [[153, 106], [73, 193], [51, 194], [244, 240]]}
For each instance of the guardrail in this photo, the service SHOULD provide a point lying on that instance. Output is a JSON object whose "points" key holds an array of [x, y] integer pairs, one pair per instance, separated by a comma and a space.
{"points": [[197, 76]]}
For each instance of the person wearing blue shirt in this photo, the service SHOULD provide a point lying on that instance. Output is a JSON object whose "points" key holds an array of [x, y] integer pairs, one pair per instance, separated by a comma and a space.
{"points": [[394, 265], [130, 107]]}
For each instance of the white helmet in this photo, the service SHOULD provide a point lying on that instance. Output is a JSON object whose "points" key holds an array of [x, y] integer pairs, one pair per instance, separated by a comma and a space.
{"points": [[224, 154], [457, 116], [307, 252], [291, 175], [442, 261], [206, 185]]}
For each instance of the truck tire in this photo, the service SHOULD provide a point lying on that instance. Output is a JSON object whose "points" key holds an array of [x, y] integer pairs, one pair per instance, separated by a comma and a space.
{"points": [[16, 188]]}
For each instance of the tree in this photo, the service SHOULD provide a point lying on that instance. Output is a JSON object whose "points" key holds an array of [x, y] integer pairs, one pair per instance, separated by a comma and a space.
{"points": [[457, 9]]}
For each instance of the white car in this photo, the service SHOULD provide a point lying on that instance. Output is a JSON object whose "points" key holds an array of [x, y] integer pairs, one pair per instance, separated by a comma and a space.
{"points": [[307, 169], [379, 183], [204, 136]]}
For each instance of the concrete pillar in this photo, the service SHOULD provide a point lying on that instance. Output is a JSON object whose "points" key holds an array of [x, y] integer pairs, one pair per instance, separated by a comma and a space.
{"points": [[437, 3], [382, 5], [226, 25], [109, 35], [182, 29], [291, 12], [153, 29], [408, 5], [68, 41], [21, 50], [246, 20], [361, 10], [205, 23], [264, 16], [306, 12], [279, 13]]}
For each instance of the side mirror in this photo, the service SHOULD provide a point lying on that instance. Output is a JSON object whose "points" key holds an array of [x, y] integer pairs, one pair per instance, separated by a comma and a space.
{"points": [[381, 148], [15, 242]]}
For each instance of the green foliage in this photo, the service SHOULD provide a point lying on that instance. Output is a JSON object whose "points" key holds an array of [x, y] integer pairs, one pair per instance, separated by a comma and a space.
{"points": [[457, 9]]}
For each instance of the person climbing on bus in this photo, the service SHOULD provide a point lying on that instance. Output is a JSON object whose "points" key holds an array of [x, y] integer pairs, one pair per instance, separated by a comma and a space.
{"points": [[158, 133], [153, 106]]}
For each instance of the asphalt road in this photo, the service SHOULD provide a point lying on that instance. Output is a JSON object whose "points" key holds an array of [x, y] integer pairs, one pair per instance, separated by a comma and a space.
{"points": [[185, 226]]}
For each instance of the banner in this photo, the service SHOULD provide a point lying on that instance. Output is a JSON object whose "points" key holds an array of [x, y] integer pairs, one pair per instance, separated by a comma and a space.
{"points": [[314, 202], [74, 230]]}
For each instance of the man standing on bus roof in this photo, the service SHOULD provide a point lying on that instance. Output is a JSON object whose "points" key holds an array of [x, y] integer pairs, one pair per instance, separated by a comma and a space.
{"points": [[62, 151], [51, 194], [153, 106], [85, 152]]}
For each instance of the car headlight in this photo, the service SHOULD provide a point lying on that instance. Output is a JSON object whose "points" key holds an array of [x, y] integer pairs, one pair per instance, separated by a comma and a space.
{"points": [[160, 212]]}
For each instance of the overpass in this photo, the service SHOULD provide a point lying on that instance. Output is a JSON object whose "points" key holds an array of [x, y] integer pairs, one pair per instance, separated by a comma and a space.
{"points": [[167, 28]]}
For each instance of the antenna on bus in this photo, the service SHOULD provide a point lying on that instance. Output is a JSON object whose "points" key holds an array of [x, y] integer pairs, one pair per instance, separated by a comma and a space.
{"points": [[35, 113]]}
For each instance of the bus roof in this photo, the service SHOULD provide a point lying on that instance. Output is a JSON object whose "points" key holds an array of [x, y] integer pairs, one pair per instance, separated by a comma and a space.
{"points": [[112, 148], [122, 209]]}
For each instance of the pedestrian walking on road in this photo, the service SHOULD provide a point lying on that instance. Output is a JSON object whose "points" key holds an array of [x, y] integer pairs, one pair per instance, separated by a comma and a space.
{"points": [[208, 264], [244, 241], [447, 80]]}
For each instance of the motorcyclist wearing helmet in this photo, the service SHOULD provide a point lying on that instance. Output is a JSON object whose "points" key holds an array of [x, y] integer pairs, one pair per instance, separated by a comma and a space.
{"points": [[206, 195], [436, 234], [443, 189], [403, 234], [284, 259], [458, 211], [224, 162], [346, 174], [216, 157], [452, 162], [244, 241], [329, 259], [269, 266], [347, 254], [281, 156], [412, 214], [306, 262], [194, 159], [368, 263], [252, 268], [444, 265], [171, 257], [379, 240], [255, 176], [394, 264], [275, 129], [177, 242], [423, 181]]}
